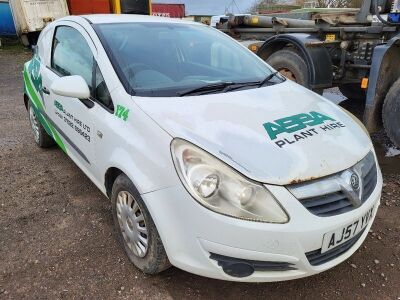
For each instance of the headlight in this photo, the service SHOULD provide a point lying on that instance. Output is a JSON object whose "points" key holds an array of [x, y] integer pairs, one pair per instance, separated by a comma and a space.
{"points": [[221, 189]]}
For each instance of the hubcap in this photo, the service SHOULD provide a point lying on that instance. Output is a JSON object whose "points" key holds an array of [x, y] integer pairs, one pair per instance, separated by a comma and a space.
{"points": [[34, 123], [132, 224], [288, 74]]}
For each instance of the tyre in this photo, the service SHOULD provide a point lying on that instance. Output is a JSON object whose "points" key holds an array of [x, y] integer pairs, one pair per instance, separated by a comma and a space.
{"points": [[291, 65], [33, 37], [353, 91], [25, 40], [41, 137], [135, 228], [391, 113]]}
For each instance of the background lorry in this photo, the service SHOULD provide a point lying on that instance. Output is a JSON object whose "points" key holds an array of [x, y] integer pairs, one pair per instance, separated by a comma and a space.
{"points": [[30, 17], [357, 50]]}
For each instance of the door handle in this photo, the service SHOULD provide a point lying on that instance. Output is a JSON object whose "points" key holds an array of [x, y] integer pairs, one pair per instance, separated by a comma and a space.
{"points": [[45, 90]]}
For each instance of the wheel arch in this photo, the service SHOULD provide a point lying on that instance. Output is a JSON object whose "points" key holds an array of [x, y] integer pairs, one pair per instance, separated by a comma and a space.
{"points": [[382, 76], [109, 178], [316, 57], [26, 100]]}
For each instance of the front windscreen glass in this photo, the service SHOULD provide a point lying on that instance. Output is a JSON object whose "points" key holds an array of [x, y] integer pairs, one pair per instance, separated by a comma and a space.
{"points": [[169, 59]]}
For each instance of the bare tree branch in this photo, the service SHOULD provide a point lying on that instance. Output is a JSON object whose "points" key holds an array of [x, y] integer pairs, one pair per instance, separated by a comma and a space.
{"points": [[259, 5]]}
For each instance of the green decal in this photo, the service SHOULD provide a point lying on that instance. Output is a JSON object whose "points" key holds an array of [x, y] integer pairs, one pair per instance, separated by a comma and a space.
{"points": [[121, 112], [31, 92], [58, 105], [34, 71], [295, 123], [35, 96]]}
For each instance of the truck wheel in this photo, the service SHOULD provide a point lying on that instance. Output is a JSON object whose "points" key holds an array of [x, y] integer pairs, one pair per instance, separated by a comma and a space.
{"points": [[33, 37], [42, 139], [353, 91], [291, 65], [391, 113], [25, 40], [136, 229]]}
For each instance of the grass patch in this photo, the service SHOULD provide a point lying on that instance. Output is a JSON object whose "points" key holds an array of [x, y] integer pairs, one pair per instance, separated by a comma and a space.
{"points": [[12, 45]]}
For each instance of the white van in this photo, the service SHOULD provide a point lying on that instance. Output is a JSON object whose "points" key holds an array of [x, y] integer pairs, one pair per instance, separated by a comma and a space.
{"points": [[213, 161], [216, 19]]}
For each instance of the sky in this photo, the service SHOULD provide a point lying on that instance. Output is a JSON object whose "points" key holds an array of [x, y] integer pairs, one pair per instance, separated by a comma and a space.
{"points": [[211, 7]]}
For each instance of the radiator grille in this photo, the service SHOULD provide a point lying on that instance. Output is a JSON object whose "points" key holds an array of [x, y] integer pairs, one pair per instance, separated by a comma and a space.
{"points": [[326, 197]]}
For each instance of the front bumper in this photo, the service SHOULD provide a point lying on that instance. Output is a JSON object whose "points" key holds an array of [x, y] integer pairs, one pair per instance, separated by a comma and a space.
{"points": [[194, 236]]}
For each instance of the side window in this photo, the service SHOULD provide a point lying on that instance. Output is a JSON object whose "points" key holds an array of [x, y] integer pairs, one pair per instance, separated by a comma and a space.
{"points": [[100, 91], [71, 54]]}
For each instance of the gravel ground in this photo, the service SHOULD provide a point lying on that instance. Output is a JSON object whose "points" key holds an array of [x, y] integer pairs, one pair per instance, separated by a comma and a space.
{"points": [[57, 238]]}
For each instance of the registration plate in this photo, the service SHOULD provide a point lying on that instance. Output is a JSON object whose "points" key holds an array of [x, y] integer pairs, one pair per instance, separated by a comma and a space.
{"points": [[330, 37], [337, 237]]}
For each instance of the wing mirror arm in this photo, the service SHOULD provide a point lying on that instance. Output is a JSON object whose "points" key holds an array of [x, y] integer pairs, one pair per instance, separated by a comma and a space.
{"points": [[73, 87], [87, 102]]}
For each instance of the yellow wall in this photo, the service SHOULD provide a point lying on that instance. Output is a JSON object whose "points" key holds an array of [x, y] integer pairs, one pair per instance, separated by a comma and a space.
{"points": [[116, 6]]}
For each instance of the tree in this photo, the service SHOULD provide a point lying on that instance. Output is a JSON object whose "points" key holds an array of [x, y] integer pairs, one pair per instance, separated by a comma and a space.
{"points": [[259, 5], [263, 4], [333, 3], [253, 9]]}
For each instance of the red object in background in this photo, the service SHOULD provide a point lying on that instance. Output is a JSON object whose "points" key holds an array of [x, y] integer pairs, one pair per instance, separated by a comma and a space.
{"points": [[168, 10], [81, 7]]}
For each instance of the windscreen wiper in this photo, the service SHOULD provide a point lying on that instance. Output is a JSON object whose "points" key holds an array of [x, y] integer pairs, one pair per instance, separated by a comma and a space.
{"points": [[268, 78], [226, 86], [206, 88], [238, 85]]}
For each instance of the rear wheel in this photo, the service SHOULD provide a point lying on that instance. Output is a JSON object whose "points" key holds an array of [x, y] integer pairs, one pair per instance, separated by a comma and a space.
{"points": [[25, 40], [391, 113], [42, 139], [353, 91], [136, 229], [290, 64], [293, 66]]}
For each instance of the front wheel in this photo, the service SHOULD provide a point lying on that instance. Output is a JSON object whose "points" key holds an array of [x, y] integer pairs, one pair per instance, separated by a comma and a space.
{"points": [[391, 113], [136, 229]]}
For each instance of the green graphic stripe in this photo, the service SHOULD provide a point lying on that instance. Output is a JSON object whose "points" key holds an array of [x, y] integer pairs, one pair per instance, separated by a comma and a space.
{"points": [[39, 106], [42, 120], [31, 91]]}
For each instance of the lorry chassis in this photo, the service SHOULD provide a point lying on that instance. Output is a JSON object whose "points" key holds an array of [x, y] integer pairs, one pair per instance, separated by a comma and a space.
{"points": [[346, 50]]}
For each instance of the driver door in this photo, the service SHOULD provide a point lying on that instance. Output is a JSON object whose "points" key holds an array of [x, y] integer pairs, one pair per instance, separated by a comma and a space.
{"points": [[73, 54]]}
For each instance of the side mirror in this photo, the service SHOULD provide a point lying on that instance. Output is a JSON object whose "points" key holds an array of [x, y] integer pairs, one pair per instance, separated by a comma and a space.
{"points": [[71, 86]]}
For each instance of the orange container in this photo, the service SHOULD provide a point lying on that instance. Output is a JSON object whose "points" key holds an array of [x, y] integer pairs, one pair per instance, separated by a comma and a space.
{"points": [[81, 7], [168, 10]]}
